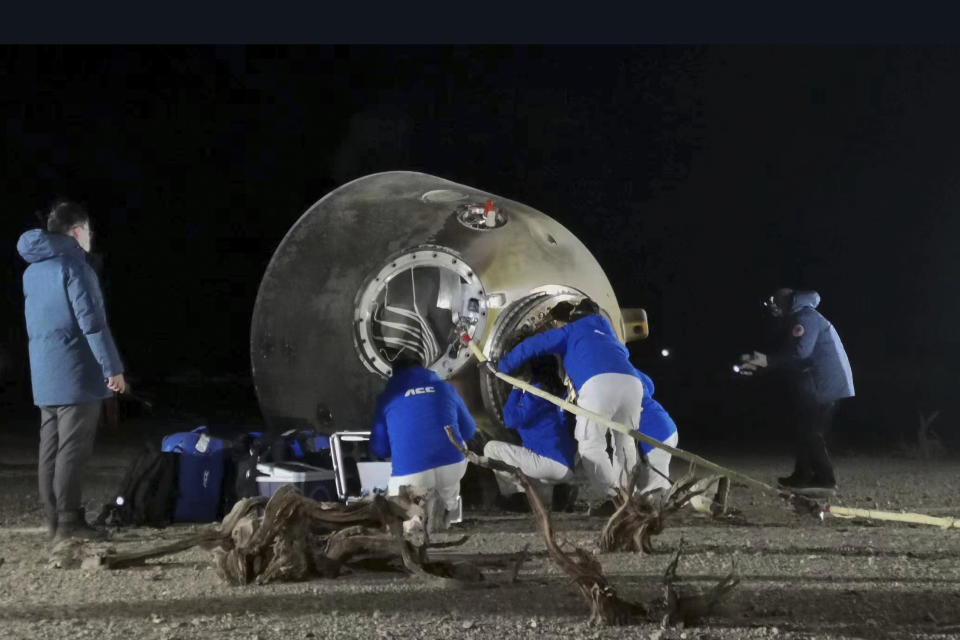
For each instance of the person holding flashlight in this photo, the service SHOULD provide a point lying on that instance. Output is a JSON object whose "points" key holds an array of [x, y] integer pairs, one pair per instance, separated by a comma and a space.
{"points": [[818, 372]]}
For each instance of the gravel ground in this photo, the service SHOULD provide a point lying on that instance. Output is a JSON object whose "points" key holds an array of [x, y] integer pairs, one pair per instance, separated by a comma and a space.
{"points": [[800, 578]]}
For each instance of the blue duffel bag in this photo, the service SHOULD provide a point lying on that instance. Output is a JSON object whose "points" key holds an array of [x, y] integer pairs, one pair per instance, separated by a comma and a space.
{"points": [[307, 446], [203, 461]]}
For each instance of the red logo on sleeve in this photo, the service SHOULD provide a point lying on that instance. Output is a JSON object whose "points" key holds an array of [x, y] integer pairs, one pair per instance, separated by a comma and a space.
{"points": [[798, 331]]}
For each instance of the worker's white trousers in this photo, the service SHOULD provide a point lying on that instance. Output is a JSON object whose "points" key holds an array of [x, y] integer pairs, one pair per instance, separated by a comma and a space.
{"points": [[444, 480], [616, 396], [533, 465], [659, 460]]}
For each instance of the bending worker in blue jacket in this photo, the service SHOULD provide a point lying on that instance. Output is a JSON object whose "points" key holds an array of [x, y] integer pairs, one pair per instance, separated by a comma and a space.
{"points": [[606, 383], [656, 423], [548, 450], [74, 363], [818, 372], [409, 426]]}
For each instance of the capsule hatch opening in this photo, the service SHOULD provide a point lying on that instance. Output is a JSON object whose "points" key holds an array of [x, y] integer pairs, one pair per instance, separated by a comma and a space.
{"points": [[419, 300]]}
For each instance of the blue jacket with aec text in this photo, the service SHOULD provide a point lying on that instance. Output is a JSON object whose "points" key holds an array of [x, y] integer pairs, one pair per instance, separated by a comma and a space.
{"points": [[410, 416]]}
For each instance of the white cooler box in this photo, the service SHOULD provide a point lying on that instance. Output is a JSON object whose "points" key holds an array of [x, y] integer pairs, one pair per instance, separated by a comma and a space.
{"points": [[313, 482], [374, 477]]}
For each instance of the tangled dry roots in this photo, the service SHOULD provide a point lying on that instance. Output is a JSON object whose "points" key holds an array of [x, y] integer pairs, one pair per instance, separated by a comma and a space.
{"points": [[639, 516], [298, 538], [606, 607], [688, 605], [638, 519]]}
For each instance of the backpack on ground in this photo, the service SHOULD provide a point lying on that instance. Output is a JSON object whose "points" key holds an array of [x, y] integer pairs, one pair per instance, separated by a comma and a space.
{"points": [[147, 494], [248, 450]]}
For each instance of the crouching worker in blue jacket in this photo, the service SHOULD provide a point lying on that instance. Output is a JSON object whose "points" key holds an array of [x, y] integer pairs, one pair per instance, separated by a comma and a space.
{"points": [[606, 383], [656, 423], [409, 426], [548, 449]]}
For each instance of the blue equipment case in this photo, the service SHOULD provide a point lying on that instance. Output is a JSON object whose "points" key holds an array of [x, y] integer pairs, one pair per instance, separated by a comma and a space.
{"points": [[203, 462]]}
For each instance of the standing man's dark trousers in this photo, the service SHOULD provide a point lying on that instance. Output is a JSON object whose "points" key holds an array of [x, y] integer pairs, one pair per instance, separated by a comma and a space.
{"points": [[66, 441], [813, 466]]}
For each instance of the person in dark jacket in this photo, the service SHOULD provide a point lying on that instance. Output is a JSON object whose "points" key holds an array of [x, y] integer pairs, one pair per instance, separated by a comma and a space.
{"points": [[548, 451], [812, 356], [599, 368], [408, 428], [74, 363]]}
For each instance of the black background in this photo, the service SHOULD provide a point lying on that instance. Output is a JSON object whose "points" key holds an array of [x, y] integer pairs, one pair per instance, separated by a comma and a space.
{"points": [[701, 177]]}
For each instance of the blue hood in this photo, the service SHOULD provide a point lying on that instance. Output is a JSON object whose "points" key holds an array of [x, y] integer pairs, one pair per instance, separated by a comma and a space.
{"points": [[37, 245], [803, 299]]}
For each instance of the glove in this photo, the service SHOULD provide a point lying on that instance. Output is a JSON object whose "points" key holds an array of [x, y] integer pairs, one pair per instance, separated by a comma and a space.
{"points": [[753, 360], [750, 363], [745, 369]]}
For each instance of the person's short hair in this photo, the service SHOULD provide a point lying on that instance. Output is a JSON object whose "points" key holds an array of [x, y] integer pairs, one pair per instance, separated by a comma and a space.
{"points": [[64, 215], [586, 307], [561, 311], [545, 371]]}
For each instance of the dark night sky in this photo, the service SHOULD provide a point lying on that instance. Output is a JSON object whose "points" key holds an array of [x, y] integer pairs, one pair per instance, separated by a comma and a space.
{"points": [[700, 177]]}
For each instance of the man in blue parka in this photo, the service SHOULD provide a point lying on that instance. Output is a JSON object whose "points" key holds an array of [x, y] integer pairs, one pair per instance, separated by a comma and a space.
{"points": [[548, 450], [812, 356], [74, 363], [408, 428], [598, 365]]}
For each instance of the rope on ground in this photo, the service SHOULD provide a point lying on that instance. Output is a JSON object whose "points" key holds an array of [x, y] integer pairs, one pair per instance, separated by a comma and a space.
{"points": [[892, 516]]}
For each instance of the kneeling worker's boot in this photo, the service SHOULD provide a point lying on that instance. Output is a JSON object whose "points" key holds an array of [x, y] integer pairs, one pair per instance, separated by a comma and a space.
{"points": [[73, 524]]}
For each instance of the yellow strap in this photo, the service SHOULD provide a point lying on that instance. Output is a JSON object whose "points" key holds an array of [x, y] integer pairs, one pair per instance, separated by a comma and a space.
{"points": [[915, 518]]}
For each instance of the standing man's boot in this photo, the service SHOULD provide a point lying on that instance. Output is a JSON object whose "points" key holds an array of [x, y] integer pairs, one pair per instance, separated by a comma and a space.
{"points": [[73, 524], [794, 480]]}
